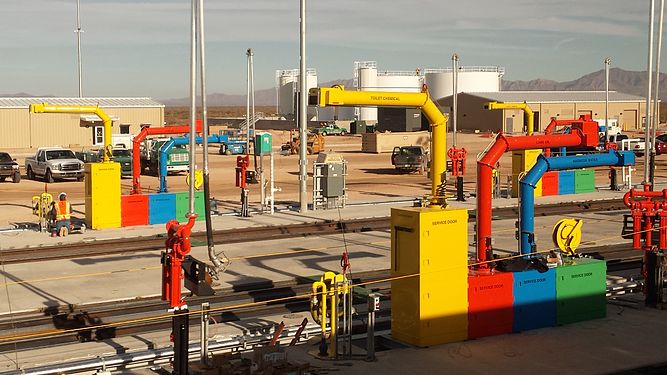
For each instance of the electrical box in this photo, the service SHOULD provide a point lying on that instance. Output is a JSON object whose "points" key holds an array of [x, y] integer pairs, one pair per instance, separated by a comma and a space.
{"points": [[102, 195], [196, 278], [333, 184], [374, 302], [429, 252], [263, 143]]}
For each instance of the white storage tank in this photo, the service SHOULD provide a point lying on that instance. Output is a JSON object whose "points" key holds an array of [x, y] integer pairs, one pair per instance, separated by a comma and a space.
{"points": [[471, 79], [399, 81], [288, 86], [368, 77]]}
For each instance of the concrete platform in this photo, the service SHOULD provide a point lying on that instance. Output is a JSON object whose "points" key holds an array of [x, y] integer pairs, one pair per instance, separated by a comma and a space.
{"points": [[589, 347]]}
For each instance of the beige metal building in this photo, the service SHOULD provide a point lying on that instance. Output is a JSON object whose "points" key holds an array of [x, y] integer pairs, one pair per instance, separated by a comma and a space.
{"points": [[628, 109], [22, 129]]}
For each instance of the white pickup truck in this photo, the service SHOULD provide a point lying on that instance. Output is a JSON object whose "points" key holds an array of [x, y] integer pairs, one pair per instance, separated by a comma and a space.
{"points": [[54, 163]]}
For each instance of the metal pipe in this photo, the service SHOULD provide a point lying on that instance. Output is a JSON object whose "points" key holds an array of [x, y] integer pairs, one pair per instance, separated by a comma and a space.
{"points": [[78, 45], [193, 103], [581, 136], [527, 111], [106, 120], [247, 103], [649, 69], [203, 332], [337, 96], [303, 114], [607, 62], [544, 164], [136, 147], [202, 86], [656, 119], [217, 264], [162, 355], [455, 107]]}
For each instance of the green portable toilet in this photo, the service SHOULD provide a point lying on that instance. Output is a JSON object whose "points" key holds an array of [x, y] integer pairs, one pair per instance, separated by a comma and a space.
{"points": [[263, 143]]}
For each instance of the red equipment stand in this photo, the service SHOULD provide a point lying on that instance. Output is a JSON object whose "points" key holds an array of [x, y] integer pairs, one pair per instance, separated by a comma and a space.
{"points": [[458, 156], [178, 246], [646, 209], [242, 163]]}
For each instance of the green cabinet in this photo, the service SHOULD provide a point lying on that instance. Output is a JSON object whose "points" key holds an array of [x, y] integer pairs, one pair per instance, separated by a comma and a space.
{"points": [[584, 181], [581, 288]]}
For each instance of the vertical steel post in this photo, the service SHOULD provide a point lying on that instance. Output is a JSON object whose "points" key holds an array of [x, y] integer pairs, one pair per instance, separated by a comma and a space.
{"points": [[78, 32], [217, 264], [649, 68], [262, 190], [273, 188], [455, 82], [373, 306], [247, 103], [656, 119], [180, 329], [193, 104], [303, 114], [607, 61], [655, 269], [203, 337]]}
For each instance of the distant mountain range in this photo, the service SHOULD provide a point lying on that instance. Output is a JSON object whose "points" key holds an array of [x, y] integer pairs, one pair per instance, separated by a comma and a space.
{"points": [[266, 97], [625, 81]]}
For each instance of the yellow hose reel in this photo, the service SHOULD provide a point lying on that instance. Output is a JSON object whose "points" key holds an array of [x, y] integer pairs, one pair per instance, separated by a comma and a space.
{"points": [[199, 179], [567, 235]]}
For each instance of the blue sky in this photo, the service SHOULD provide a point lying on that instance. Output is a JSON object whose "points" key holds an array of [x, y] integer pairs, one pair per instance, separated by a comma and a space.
{"points": [[141, 48]]}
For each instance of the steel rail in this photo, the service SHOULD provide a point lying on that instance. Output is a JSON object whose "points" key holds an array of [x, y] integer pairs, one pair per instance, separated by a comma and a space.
{"points": [[263, 233]]}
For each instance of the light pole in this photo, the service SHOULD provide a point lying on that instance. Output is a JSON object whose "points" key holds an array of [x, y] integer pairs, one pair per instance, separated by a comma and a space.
{"points": [[607, 62], [303, 118], [656, 120], [78, 32]]}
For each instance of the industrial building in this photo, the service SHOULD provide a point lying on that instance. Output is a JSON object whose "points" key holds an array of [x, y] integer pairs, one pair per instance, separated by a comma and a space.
{"points": [[29, 130], [628, 109]]}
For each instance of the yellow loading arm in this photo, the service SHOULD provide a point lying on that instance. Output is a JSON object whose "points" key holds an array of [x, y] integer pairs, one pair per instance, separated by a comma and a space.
{"points": [[338, 97], [46, 108], [523, 106]]}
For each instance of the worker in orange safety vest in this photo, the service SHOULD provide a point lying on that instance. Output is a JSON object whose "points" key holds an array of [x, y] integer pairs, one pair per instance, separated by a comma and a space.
{"points": [[63, 212]]}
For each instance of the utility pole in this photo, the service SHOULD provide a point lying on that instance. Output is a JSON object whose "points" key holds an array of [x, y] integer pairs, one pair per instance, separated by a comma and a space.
{"points": [[303, 114], [607, 62], [647, 123], [78, 32]]}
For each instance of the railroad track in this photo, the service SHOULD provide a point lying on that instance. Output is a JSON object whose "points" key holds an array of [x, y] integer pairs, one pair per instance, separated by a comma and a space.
{"points": [[94, 322], [80, 321], [263, 233]]}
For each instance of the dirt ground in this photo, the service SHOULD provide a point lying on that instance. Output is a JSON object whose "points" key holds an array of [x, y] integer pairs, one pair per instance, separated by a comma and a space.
{"points": [[371, 177]]}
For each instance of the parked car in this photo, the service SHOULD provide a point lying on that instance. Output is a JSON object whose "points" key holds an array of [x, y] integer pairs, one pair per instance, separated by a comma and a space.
{"points": [[329, 129], [120, 155], [9, 168], [639, 147], [409, 159], [54, 163], [660, 147]]}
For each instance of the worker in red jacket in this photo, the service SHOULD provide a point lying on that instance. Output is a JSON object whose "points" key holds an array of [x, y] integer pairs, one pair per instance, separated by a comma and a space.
{"points": [[63, 213]]}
